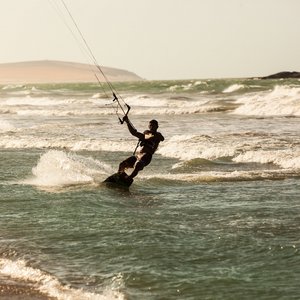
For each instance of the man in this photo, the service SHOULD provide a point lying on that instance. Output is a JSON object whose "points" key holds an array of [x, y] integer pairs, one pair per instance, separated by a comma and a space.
{"points": [[149, 141]]}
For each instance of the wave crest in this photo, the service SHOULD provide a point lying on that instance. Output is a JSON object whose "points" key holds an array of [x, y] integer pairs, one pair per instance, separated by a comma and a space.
{"points": [[49, 285], [281, 101]]}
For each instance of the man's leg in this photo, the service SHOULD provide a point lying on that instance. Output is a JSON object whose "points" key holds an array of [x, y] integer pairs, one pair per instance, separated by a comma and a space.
{"points": [[127, 163], [139, 166]]}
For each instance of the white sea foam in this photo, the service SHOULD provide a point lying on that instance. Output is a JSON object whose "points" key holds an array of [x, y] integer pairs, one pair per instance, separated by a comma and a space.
{"points": [[42, 101], [187, 147], [146, 105], [187, 86], [172, 108], [103, 145], [283, 158], [199, 82], [49, 285], [179, 109], [59, 112], [145, 101], [63, 142], [143, 105], [6, 126], [210, 176], [12, 86], [183, 147], [58, 168], [37, 101], [282, 101], [233, 88]]}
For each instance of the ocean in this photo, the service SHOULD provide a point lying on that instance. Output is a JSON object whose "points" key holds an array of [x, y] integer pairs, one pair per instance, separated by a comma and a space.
{"points": [[216, 215]]}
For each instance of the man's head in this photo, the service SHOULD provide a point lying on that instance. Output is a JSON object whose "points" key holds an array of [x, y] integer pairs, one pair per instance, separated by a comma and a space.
{"points": [[153, 125]]}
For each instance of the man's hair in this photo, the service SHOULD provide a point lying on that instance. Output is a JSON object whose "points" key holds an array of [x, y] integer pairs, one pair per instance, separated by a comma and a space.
{"points": [[154, 122]]}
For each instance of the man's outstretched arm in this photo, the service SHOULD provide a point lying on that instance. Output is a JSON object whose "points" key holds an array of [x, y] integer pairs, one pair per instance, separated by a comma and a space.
{"points": [[132, 130]]}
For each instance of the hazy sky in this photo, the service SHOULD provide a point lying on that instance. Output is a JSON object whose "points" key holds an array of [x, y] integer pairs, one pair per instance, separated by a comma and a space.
{"points": [[159, 39]]}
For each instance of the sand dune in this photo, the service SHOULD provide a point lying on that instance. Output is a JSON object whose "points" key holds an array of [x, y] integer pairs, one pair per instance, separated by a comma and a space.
{"points": [[47, 71]]}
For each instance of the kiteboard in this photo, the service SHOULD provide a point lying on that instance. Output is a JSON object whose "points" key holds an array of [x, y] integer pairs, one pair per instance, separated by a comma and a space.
{"points": [[119, 180]]}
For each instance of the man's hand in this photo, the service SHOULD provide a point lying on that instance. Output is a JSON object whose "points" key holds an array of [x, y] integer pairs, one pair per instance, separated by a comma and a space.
{"points": [[125, 119]]}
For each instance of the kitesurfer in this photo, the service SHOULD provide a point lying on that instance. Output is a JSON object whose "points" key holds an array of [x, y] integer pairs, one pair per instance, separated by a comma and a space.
{"points": [[148, 142]]}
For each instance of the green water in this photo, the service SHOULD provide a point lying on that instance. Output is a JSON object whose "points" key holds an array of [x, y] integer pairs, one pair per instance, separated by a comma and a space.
{"points": [[214, 216], [228, 240]]}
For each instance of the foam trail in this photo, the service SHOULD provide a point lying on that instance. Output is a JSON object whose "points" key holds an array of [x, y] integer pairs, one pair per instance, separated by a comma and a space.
{"points": [[57, 168]]}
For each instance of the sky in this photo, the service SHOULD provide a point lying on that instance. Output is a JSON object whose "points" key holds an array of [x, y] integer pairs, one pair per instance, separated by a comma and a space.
{"points": [[158, 39]]}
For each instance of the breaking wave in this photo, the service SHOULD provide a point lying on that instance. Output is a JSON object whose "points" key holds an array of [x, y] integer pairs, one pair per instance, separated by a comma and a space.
{"points": [[233, 88], [187, 148], [49, 285], [282, 101]]}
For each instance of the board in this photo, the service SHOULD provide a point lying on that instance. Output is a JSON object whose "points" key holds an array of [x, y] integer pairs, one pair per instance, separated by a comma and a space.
{"points": [[119, 180]]}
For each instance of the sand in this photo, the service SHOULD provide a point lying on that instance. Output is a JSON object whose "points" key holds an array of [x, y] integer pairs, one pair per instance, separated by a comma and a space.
{"points": [[47, 71]]}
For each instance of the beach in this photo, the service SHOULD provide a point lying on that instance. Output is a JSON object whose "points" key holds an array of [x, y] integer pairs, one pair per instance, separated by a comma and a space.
{"points": [[214, 216]]}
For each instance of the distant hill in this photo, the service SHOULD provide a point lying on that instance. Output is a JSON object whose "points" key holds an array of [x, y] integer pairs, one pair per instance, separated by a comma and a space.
{"points": [[48, 71], [284, 74]]}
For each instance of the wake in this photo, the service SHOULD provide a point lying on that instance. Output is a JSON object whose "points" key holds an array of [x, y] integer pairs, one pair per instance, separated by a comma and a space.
{"points": [[61, 169]]}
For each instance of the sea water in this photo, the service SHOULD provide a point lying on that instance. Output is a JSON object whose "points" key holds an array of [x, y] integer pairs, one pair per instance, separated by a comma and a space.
{"points": [[216, 215]]}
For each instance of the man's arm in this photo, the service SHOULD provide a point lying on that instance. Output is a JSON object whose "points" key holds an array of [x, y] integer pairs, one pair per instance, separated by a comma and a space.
{"points": [[161, 137], [132, 130]]}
